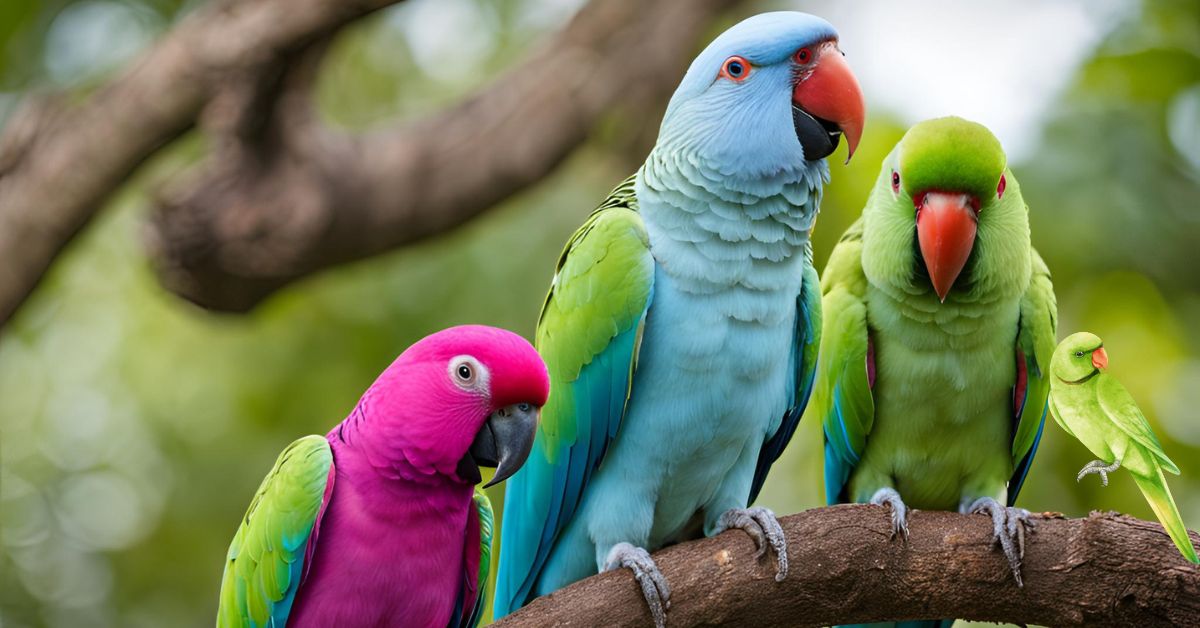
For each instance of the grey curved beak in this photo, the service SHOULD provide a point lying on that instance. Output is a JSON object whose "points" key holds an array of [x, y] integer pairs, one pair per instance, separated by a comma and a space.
{"points": [[505, 440]]}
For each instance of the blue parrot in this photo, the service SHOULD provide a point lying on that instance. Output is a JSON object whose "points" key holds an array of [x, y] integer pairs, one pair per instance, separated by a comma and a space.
{"points": [[681, 327]]}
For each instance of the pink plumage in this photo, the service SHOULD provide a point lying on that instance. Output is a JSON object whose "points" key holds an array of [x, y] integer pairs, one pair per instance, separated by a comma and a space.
{"points": [[397, 541]]}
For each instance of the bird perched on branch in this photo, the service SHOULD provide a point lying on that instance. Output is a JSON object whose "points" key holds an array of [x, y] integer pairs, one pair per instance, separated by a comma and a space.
{"points": [[378, 522], [939, 327], [1095, 408], [681, 326]]}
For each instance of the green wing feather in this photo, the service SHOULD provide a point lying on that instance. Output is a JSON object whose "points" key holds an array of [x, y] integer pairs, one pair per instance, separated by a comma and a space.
{"points": [[265, 562], [483, 506], [842, 393], [1035, 340], [1118, 405], [589, 333]]}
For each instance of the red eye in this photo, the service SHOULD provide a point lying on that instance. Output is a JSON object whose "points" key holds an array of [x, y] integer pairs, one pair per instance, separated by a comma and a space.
{"points": [[735, 69], [1000, 187], [895, 182], [803, 56]]}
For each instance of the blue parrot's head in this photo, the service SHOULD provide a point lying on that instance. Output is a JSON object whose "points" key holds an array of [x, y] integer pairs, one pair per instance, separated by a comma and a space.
{"points": [[768, 95]]}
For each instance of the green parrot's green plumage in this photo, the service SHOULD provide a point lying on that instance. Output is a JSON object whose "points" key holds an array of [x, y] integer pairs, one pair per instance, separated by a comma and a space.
{"points": [[939, 324], [1095, 408]]}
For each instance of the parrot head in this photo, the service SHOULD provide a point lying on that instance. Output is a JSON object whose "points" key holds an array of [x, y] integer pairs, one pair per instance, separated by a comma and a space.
{"points": [[946, 210], [770, 94], [1079, 357], [460, 398]]}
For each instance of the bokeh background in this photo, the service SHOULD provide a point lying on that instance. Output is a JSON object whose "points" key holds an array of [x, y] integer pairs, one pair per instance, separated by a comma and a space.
{"points": [[134, 427]]}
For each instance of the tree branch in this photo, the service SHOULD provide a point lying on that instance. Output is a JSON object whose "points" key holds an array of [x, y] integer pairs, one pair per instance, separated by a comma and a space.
{"points": [[59, 161], [1105, 570], [275, 206]]}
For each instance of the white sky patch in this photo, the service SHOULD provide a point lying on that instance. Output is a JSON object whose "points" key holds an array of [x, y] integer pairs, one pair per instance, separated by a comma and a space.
{"points": [[96, 36], [448, 38], [1000, 63]]}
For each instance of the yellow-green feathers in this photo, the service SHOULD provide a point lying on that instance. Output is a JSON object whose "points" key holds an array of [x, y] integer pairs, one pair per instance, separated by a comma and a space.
{"points": [[600, 291], [951, 154], [266, 558], [1095, 408]]}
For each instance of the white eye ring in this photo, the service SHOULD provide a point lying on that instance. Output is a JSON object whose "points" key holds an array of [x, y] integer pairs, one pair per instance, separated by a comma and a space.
{"points": [[468, 373]]}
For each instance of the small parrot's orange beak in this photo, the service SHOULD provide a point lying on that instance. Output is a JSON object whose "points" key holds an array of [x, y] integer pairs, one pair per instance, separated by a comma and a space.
{"points": [[831, 92], [1100, 358], [946, 225]]}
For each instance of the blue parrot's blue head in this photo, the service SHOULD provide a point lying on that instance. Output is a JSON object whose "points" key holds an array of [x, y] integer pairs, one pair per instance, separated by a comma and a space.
{"points": [[768, 95]]}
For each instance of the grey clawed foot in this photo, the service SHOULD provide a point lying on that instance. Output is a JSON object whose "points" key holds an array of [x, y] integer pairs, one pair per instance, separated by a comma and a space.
{"points": [[1098, 466], [889, 497], [1008, 530], [654, 585], [762, 526]]}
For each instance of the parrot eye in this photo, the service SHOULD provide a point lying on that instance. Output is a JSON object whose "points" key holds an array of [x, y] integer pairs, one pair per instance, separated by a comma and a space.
{"points": [[895, 182], [467, 373], [735, 69], [1000, 187], [803, 56], [1079, 354]]}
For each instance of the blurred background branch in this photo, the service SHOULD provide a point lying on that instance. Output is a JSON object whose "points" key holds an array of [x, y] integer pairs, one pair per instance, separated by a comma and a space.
{"points": [[1105, 570], [60, 160], [284, 196]]}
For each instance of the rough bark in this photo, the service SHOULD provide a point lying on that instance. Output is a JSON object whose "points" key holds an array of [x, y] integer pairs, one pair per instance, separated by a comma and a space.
{"points": [[1104, 570], [60, 160], [285, 196]]}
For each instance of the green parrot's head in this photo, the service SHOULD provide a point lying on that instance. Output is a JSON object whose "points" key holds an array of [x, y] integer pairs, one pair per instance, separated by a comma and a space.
{"points": [[1079, 357], [946, 214]]}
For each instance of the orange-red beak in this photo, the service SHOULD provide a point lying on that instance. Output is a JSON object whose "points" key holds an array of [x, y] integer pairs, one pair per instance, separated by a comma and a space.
{"points": [[1100, 358], [946, 225], [831, 93]]}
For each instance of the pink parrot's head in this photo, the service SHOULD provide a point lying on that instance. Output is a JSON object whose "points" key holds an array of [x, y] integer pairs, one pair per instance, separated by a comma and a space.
{"points": [[459, 398]]}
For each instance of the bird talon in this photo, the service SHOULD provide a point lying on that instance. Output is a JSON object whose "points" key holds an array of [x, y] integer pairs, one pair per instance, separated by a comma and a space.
{"points": [[890, 498], [763, 527], [1008, 531], [654, 587], [1098, 467]]}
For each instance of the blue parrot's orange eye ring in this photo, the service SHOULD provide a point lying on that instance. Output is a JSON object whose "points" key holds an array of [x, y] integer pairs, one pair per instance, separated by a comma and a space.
{"points": [[1000, 187], [803, 56], [735, 69]]}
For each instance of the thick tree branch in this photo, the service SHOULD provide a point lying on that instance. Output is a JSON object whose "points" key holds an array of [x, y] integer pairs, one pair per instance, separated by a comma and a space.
{"points": [[293, 197], [1105, 570], [59, 161]]}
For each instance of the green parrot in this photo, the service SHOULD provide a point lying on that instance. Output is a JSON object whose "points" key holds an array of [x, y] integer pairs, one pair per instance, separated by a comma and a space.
{"points": [[1095, 408], [939, 324]]}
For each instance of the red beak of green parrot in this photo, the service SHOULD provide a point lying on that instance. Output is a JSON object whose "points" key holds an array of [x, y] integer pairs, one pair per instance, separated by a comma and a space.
{"points": [[946, 225], [1100, 358]]}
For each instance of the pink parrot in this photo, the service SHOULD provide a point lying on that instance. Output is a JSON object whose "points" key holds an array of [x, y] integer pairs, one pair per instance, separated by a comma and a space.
{"points": [[378, 523]]}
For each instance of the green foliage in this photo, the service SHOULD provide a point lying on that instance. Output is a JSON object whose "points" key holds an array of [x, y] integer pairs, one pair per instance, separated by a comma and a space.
{"points": [[134, 428]]}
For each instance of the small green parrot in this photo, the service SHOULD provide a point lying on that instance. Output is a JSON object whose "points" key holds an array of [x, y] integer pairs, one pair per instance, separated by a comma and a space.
{"points": [[1095, 408]]}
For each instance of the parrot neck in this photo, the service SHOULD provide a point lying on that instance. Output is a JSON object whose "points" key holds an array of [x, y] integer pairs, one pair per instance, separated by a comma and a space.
{"points": [[387, 453], [711, 231]]}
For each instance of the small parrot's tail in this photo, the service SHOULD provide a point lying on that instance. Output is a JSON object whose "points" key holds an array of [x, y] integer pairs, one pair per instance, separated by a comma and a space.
{"points": [[1159, 496]]}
